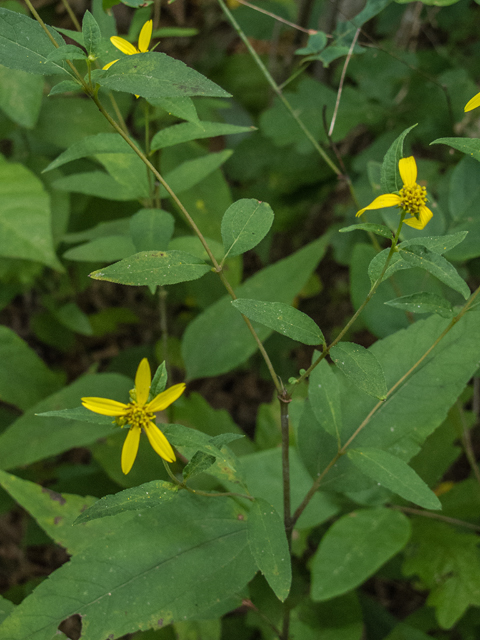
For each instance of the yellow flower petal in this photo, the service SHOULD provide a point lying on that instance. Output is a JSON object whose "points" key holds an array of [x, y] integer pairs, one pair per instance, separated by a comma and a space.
{"points": [[145, 36], [473, 103], [165, 399], [109, 64], [159, 442], [408, 171], [143, 380], [124, 45], [130, 448], [424, 218], [387, 200], [105, 406]]}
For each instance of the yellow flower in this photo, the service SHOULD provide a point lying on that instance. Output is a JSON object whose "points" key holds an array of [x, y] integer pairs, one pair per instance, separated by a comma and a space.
{"points": [[411, 197], [139, 414], [473, 103], [127, 47]]}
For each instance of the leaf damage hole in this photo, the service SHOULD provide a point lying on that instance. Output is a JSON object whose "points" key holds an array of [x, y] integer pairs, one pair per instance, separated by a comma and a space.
{"points": [[72, 627]]}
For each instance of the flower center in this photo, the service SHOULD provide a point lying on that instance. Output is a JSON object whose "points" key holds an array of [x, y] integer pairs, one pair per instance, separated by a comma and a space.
{"points": [[413, 198], [136, 416]]}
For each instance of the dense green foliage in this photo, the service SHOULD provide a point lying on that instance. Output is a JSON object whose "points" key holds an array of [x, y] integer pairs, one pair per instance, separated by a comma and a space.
{"points": [[193, 203]]}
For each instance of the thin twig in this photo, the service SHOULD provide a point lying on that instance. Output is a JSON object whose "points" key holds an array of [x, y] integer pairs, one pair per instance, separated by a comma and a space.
{"points": [[342, 80], [277, 90], [436, 516], [310, 32], [73, 17]]}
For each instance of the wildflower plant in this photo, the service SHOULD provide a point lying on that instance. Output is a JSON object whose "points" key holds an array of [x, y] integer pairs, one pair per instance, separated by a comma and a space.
{"points": [[139, 415], [342, 482]]}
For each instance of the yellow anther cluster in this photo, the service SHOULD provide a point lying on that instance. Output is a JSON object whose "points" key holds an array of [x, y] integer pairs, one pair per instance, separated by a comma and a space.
{"points": [[137, 416], [413, 197]]}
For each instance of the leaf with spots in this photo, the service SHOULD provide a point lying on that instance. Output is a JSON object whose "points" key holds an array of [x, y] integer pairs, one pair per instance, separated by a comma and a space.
{"points": [[154, 268], [283, 318], [245, 223], [168, 563], [146, 496], [362, 367]]}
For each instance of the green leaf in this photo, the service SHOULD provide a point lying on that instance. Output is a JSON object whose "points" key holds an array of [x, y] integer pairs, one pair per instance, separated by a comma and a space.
{"points": [[269, 546], [390, 176], [136, 579], [316, 43], [397, 263], [378, 229], [423, 302], [337, 619], [25, 45], [92, 36], [179, 107], [79, 413], [437, 244], [324, 396], [145, 496], [96, 183], [394, 474], [418, 256], [64, 86], [469, 146], [283, 318], [159, 381], [25, 218], [129, 171], [108, 249], [154, 268], [42, 437], [199, 463], [26, 379], [204, 355], [151, 229], [66, 52], [448, 563], [187, 131], [191, 172], [72, 317], [362, 367], [156, 75], [21, 96], [464, 191], [6, 608], [370, 10], [91, 146], [354, 548], [245, 223], [226, 467]]}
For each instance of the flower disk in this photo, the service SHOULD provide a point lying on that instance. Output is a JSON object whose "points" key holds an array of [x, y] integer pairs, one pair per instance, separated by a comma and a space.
{"points": [[413, 198]]}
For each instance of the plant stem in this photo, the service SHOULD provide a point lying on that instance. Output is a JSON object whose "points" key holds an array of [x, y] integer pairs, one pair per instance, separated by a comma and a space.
{"points": [[73, 17], [277, 89], [284, 419], [436, 516]]}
